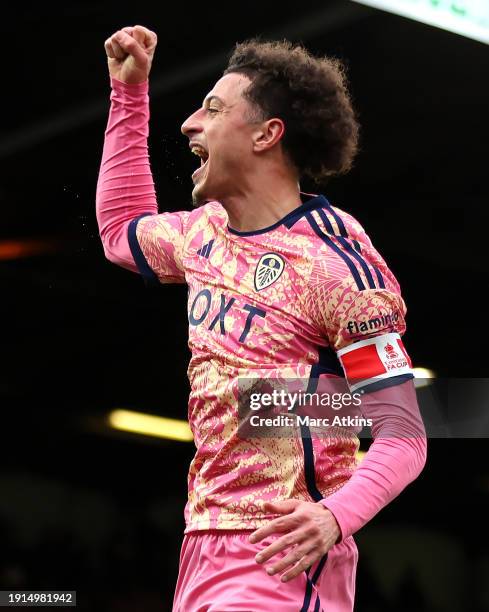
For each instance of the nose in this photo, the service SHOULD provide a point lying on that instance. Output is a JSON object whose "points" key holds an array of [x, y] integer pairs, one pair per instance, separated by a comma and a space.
{"points": [[192, 124]]}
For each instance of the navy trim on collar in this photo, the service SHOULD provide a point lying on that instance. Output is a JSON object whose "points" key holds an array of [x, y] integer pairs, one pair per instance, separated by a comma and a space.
{"points": [[292, 217]]}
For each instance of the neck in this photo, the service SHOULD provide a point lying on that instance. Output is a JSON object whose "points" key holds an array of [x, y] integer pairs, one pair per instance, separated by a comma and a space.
{"points": [[261, 204]]}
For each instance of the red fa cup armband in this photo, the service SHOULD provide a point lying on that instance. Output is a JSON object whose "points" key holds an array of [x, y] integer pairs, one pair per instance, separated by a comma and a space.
{"points": [[375, 360]]}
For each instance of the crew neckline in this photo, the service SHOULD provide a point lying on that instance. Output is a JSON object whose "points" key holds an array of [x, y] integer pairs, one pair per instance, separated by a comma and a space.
{"points": [[309, 202]]}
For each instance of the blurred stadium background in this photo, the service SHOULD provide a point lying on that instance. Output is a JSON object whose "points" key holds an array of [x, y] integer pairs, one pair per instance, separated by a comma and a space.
{"points": [[89, 508]]}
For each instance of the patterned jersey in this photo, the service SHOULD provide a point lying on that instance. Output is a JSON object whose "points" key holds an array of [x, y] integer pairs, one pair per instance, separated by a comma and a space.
{"points": [[278, 302]]}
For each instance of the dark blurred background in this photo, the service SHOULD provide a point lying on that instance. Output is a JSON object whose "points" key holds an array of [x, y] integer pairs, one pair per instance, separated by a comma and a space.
{"points": [[83, 507]]}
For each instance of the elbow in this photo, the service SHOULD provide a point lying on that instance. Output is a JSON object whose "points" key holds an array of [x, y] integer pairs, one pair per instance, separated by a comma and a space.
{"points": [[110, 250], [110, 255], [114, 242], [118, 252]]}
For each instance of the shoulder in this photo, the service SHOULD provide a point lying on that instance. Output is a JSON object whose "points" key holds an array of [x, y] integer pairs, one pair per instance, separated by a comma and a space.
{"points": [[348, 226], [353, 227], [348, 255], [331, 225]]}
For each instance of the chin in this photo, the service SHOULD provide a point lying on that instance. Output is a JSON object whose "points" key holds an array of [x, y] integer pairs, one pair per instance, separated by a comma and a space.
{"points": [[199, 197], [196, 199]]}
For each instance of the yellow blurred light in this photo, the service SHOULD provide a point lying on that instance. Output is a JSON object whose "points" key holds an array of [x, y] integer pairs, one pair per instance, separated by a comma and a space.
{"points": [[422, 377], [423, 373], [150, 425]]}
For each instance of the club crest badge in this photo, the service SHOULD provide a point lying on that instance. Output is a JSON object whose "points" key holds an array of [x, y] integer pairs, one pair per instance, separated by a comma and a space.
{"points": [[268, 270]]}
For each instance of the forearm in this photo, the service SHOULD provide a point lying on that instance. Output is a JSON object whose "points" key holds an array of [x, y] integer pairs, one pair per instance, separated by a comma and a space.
{"points": [[395, 458], [125, 187]]}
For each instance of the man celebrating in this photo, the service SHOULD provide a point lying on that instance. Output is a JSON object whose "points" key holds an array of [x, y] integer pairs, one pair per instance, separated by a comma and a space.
{"points": [[282, 285]]}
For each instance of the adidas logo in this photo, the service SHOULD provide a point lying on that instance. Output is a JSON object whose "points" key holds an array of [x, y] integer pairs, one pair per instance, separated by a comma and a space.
{"points": [[205, 250]]}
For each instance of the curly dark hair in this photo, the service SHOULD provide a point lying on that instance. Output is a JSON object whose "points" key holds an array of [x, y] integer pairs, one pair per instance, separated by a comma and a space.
{"points": [[310, 95]]}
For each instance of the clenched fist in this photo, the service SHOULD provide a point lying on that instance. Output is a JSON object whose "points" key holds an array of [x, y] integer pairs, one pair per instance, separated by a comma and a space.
{"points": [[130, 54]]}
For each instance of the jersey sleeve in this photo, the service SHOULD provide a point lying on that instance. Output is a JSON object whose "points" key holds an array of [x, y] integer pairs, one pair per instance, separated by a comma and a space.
{"points": [[363, 319], [365, 329], [353, 315], [157, 246]]}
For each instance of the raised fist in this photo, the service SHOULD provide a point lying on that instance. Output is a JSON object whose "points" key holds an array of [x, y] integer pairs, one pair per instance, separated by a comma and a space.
{"points": [[130, 53]]}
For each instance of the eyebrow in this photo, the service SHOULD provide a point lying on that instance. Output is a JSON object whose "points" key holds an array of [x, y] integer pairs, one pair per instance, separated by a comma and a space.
{"points": [[210, 98]]}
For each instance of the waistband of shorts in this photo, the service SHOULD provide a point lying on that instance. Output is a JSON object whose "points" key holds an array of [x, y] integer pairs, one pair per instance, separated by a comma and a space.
{"points": [[223, 532]]}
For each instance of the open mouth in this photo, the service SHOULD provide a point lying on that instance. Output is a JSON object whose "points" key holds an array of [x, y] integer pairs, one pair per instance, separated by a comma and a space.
{"points": [[203, 154]]}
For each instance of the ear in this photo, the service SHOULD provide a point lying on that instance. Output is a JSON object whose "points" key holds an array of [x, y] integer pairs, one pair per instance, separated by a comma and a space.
{"points": [[267, 134]]}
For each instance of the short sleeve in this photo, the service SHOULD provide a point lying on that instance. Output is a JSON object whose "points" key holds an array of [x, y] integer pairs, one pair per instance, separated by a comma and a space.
{"points": [[353, 315], [157, 245], [365, 329]]}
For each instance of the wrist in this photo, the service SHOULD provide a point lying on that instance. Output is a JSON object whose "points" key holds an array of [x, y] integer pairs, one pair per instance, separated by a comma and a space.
{"points": [[339, 534], [141, 87]]}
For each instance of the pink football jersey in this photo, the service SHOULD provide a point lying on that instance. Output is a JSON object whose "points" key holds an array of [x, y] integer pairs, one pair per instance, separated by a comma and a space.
{"points": [[280, 302]]}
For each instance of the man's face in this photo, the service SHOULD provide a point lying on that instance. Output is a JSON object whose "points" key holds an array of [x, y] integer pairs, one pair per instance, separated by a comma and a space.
{"points": [[221, 133]]}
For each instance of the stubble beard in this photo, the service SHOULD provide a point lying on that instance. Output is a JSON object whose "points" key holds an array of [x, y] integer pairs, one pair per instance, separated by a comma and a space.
{"points": [[198, 196], [197, 200]]}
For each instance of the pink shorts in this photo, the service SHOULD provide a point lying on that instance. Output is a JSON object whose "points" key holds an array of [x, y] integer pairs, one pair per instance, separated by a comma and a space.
{"points": [[218, 573]]}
